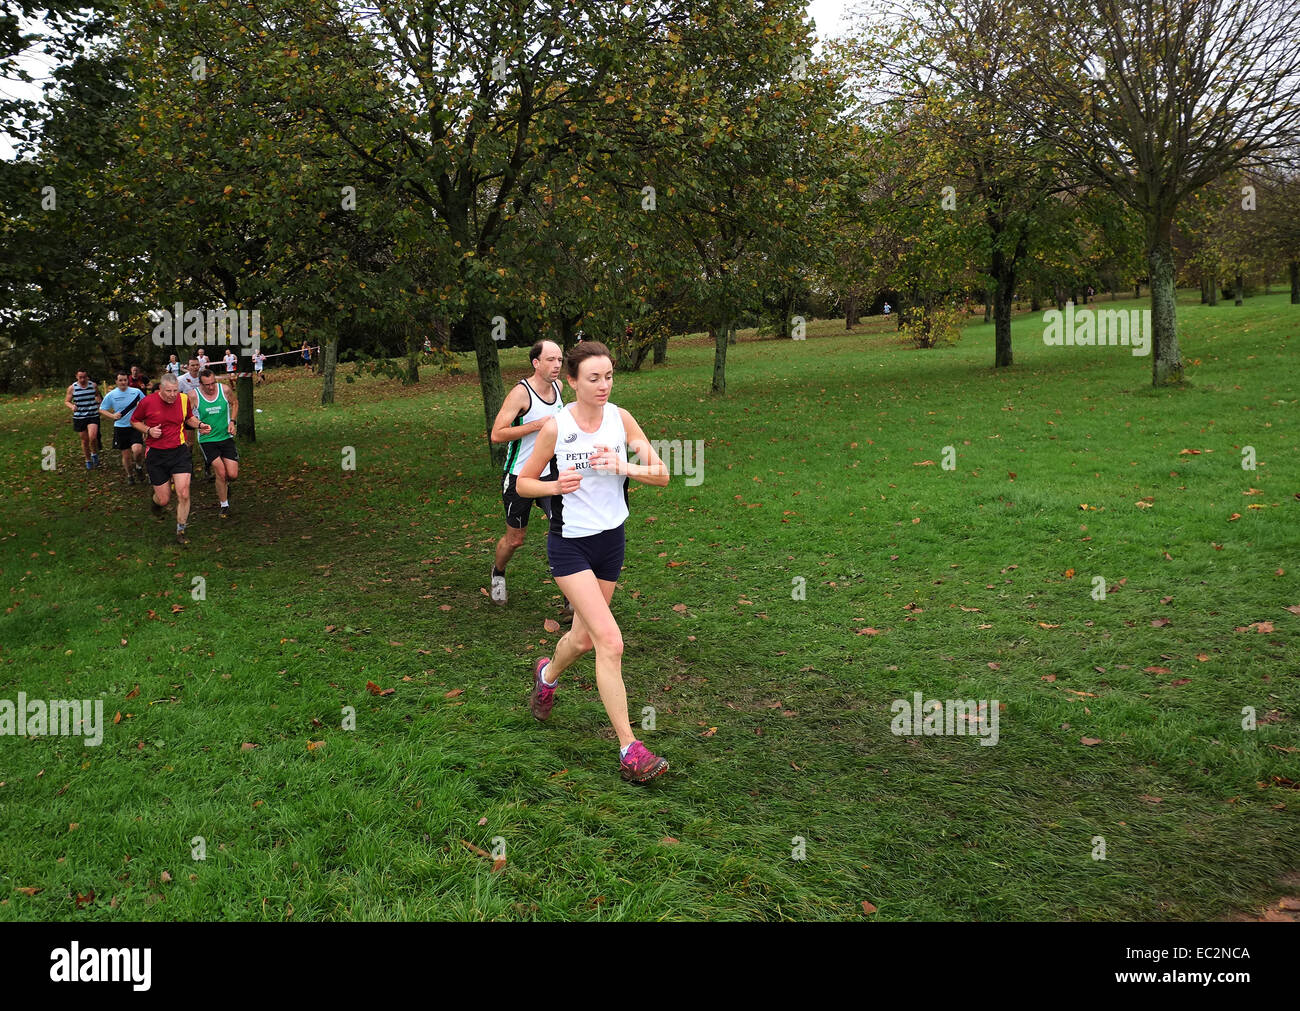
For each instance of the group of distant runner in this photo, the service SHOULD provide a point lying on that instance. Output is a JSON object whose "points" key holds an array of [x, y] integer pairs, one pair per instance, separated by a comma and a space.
{"points": [[152, 430]]}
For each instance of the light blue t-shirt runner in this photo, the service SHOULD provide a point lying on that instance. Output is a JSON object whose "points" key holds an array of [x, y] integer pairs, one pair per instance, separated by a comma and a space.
{"points": [[120, 400]]}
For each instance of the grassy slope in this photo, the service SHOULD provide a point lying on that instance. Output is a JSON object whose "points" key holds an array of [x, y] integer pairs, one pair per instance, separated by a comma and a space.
{"points": [[810, 471]]}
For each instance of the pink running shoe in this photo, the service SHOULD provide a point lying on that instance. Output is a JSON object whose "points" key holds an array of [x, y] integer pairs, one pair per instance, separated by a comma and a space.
{"points": [[640, 766], [543, 696]]}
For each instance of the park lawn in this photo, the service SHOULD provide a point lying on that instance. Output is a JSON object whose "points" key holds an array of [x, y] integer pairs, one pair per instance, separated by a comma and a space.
{"points": [[822, 471]]}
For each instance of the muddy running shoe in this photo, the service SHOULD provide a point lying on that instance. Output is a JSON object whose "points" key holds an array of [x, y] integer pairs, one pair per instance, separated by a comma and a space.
{"points": [[182, 537], [640, 766], [225, 512], [543, 696], [155, 508]]}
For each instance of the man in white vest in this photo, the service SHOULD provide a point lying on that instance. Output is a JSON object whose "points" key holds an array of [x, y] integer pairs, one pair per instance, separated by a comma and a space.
{"points": [[527, 407]]}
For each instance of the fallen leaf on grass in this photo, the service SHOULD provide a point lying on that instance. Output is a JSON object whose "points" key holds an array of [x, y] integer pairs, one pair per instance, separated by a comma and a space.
{"points": [[710, 732], [679, 608], [1179, 682], [1043, 624], [551, 625], [246, 746], [1285, 751], [557, 775], [453, 693], [313, 745], [374, 689], [117, 718], [1150, 799], [1157, 670], [1159, 622], [133, 692], [1088, 742], [867, 907], [1048, 677], [994, 666], [869, 631], [1202, 657], [165, 877], [668, 841], [85, 900], [29, 892]]}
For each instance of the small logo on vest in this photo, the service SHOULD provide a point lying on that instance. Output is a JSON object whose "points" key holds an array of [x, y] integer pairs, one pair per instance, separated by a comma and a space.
{"points": [[571, 437]]}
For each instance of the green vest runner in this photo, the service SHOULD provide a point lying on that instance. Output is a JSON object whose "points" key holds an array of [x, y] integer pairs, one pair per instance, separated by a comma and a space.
{"points": [[215, 413]]}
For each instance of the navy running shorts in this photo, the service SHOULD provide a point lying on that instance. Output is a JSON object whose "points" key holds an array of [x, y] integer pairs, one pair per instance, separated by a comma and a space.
{"points": [[602, 553]]}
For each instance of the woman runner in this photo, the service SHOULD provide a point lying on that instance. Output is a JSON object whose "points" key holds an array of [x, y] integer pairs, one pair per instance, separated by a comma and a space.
{"points": [[588, 443]]}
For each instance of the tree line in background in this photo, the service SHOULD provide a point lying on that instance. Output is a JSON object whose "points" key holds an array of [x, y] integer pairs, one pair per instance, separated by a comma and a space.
{"points": [[374, 177]]}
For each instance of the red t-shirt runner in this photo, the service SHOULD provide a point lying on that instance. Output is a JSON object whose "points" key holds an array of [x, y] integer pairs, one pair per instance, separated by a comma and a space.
{"points": [[153, 410]]}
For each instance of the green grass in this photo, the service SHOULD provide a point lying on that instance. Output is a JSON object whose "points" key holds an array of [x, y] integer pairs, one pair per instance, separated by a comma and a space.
{"points": [[324, 579]]}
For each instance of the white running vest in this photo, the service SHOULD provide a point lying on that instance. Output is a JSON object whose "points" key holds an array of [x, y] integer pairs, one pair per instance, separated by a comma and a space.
{"points": [[600, 503], [522, 449]]}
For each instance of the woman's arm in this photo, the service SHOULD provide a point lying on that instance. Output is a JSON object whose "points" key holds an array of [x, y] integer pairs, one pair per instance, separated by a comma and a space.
{"points": [[652, 472], [528, 484]]}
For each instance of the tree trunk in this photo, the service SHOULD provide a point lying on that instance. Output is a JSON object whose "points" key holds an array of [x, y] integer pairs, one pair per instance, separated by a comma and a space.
{"points": [[988, 305], [329, 359], [1004, 290], [1035, 305], [1205, 294], [1166, 359], [414, 345], [1294, 268], [787, 307], [473, 327], [247, 416], [566, 327], [1240, 291], [1137, 289], [719, 335], [1214, 289], [731, 334], [441, 334], [661, 349], [850, 311], [1059, 294]]}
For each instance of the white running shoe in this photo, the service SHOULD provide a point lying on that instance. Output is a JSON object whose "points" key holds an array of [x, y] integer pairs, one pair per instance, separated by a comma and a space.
{"points": [[498, 590]]}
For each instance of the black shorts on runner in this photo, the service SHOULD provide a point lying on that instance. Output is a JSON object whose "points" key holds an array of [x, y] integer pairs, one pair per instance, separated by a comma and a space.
{"points": [[79, 424], [161, 464], [224, 449], [125, 438], [518, 508], [602, 553]]}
